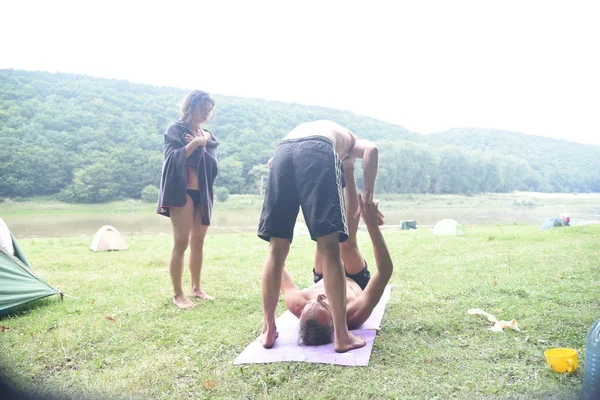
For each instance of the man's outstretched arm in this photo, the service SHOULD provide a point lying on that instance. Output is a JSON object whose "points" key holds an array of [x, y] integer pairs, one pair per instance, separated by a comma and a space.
{"points": [[360, 309], [368, 152]]}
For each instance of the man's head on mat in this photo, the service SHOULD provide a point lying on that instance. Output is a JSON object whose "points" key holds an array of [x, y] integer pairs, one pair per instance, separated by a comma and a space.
{"points": [[316, 323]]}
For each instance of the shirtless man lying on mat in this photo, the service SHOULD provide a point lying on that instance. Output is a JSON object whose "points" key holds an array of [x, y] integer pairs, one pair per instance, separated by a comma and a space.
{"points": [[363, 292]]}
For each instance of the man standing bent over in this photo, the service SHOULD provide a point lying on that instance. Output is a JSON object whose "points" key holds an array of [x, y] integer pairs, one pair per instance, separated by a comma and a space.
{"points": [[306, 172]]}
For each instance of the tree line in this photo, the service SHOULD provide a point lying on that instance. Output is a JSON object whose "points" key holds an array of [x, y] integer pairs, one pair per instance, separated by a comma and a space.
{"points": [[85, 139]]}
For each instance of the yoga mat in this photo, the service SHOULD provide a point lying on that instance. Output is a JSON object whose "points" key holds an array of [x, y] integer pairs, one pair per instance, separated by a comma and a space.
{"points": [[287, 347]]}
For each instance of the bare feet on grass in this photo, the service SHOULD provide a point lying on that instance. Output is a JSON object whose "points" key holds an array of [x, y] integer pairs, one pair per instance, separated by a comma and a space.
{"points": [[182, 302], [348, 343], [268, 337], [201, 294]]}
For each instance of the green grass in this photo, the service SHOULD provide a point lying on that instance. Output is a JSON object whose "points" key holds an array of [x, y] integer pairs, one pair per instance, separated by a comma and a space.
{"points": [[428, 347]]}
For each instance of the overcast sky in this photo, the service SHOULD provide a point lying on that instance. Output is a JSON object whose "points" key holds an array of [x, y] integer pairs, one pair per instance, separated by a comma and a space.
{"points": [[526, 66]]}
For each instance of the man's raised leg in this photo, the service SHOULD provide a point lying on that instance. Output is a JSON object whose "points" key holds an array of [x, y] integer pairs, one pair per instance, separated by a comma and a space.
{"points": [[271, 284], [353, 260], [335, 288]]}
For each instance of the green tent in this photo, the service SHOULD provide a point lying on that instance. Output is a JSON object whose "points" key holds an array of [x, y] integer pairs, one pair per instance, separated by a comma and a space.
{"points": [[18, 282]]}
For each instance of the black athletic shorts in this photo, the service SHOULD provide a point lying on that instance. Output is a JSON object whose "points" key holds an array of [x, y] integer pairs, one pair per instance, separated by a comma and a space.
{"points": [[362, 277], [307, 173]]}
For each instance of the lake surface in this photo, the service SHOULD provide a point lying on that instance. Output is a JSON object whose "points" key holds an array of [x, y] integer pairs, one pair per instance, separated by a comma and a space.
{"points": [[53, 225]]}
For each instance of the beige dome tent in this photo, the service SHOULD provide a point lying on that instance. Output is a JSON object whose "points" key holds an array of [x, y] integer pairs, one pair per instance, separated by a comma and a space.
{"points": [[448, 226], [108, 238]]}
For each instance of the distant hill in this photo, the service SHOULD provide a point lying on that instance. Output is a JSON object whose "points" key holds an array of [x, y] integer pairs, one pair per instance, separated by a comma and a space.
{"points": [[566, 166], [86, 139]]}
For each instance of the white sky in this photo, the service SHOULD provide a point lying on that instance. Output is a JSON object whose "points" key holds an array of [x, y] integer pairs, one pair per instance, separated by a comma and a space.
{"points": [[527, 66]]}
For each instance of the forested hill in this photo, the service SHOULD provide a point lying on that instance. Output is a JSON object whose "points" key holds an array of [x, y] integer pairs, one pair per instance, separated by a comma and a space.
{"points": [[88, 139], [564, 166]]}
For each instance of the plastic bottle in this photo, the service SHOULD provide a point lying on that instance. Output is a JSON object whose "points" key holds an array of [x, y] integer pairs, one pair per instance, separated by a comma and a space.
{"points": [[591, 379]]}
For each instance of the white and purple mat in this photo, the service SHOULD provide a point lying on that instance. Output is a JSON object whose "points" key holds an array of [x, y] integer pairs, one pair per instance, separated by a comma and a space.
{"points": [[287, 347]]}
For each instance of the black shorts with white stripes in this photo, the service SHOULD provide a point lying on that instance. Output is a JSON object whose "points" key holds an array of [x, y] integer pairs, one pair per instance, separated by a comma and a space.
{"points": [[307, 173]]}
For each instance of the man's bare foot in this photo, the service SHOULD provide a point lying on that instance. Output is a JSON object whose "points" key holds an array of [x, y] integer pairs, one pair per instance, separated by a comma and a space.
{"points": [[349, 343], [268, 337], [182, 302], [201, 294]]}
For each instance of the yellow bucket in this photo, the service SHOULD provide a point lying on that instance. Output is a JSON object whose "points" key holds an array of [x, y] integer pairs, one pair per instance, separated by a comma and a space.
{"points": [[562, 360]]}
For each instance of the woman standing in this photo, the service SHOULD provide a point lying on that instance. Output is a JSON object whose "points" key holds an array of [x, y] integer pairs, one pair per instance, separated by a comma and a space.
{"points": [[189, 170]]}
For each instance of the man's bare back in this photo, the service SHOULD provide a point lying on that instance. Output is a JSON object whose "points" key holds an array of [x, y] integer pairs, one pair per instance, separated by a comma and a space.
{"points": [[342, 139]]}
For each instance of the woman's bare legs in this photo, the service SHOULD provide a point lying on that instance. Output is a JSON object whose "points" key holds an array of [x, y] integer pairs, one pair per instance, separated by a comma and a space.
{"points": [[182, 221], [197, 255]]}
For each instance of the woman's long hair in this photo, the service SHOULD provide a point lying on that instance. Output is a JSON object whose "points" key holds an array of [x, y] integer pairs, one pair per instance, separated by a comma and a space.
{"points": [[194, 99]]}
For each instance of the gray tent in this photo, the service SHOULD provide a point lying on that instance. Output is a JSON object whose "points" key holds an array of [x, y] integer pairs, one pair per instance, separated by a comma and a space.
{"points": [[409, 225], [553, 223]]}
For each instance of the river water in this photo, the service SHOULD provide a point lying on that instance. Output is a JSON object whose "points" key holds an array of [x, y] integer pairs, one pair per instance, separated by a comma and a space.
{"points": [[53, 225]]}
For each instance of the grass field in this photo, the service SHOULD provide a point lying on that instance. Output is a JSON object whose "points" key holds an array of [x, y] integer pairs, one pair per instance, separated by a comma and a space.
{"points": [[428, 347]]}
